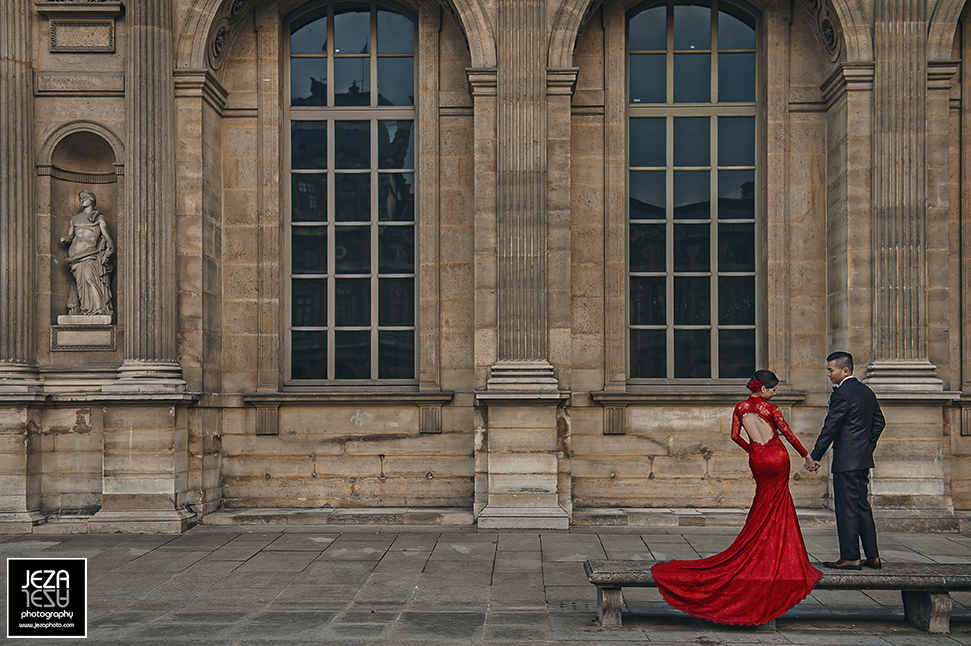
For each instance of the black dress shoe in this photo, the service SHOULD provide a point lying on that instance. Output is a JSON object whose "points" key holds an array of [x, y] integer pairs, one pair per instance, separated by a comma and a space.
{"points": [[843, 564], [874, 563]]}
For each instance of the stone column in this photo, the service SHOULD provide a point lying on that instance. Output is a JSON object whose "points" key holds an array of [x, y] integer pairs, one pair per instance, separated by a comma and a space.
{"points": [[17, 288], [147, 252]]}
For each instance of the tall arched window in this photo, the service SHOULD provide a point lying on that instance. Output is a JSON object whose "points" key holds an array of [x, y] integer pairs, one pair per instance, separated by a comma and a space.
{"points": [[351, 210], [692, 187]]}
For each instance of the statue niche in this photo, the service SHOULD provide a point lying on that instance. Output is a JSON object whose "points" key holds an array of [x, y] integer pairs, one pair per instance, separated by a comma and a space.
{"points": [[89, 259]]}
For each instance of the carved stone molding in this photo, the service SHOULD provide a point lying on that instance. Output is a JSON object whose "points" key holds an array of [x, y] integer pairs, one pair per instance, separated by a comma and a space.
{"points": [[826, 24], [224, 29]]}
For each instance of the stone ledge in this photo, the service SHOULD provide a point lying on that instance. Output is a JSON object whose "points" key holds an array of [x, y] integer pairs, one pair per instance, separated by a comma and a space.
{"points": [[332, 516]]}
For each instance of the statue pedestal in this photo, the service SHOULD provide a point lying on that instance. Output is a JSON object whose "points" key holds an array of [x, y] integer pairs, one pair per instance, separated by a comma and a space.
{"points": [[83, 332], [84, 319]]}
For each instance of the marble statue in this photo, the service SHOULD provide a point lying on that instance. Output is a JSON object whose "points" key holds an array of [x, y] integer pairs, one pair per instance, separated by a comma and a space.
{"points": [[89, 258]]}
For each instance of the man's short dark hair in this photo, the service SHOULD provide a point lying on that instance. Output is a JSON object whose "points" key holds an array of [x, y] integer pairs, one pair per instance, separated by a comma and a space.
{"points": [[841, 359]]}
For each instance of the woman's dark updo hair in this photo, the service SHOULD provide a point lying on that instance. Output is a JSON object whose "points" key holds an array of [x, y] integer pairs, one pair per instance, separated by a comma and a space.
{"points": [[762, 378]]}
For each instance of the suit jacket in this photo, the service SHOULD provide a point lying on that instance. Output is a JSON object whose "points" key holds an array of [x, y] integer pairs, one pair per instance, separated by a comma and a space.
{"points": [[853, 426]]}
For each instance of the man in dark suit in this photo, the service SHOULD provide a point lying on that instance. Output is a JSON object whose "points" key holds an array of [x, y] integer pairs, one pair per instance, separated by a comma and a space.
{"points": [[853, 425]]}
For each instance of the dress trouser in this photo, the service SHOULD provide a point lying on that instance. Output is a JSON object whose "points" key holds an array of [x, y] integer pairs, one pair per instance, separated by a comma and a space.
{"points": [[854, 518]]}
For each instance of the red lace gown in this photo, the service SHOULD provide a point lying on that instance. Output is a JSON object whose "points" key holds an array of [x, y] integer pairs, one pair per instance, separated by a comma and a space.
{"points": [[766, 571]]}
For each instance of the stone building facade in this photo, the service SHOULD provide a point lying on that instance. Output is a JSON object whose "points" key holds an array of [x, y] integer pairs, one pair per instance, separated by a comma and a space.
{"points": [[496, 262]]}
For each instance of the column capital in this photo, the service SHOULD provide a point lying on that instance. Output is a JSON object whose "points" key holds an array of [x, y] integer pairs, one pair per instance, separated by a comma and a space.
{"points": [[483, 81], [940, 73], [561, 80], [847, 77]]}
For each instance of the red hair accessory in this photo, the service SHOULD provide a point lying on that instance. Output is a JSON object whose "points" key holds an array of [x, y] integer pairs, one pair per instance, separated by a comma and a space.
{"points": [[755, 385]]}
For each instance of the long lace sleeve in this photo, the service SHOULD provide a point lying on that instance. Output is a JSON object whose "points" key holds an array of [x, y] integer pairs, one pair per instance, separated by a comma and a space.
{"points": [[783, 427], [737, 430]]}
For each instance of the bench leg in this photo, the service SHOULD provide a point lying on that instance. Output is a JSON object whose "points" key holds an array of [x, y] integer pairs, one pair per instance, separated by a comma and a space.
{"points": [[609, 602], [930, 611]]}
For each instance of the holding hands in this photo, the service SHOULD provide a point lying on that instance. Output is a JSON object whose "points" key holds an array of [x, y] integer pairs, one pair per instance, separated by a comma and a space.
{"points": [[811, 465]]}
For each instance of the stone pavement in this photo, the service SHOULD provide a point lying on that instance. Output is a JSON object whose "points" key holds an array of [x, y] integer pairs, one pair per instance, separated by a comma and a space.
{"points": [[448, 586]]}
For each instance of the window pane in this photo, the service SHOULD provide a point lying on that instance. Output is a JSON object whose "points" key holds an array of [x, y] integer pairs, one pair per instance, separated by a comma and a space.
{"points": [[648, 30], [647, 301], [309, 303], [352, 144], [736, 247], [352, 302], [308, 81], [309, 37], [692, 300], [396, 354], [692, 25], [396, 33], [736, 300], [396, 250], [396, 302], [736, 195], [736, 30], [692, 354], [352, 29], [647, 78], [647, 142], [736, 141], [396, 146], [352, 197], [648, 354], [352, 81], [647, 193], [308, 355], [352, 250], [396, 81], [396, 197], [692, 195], [692, 247], [692, 141], [309, 250], [692, 78], [736, 353], [647, 248], [352, 355], [308, 145], [736, 78], [308, 198]]}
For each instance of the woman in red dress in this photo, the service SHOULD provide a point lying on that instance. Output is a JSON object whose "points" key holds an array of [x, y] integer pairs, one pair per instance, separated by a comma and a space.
{"points": [[766, 571]]}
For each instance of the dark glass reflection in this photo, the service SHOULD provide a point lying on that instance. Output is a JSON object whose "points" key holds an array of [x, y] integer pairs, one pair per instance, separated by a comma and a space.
{"points": [[736, 195], [308, 251], [692, 300], [396, 302], [692, 247], [308, 198], [692, 354], [692, 25], [736, 247], [396, 81], [308, 145], [736, 353], [396, 145], [646, 142], [736, 78], [396, 33], [396, 197], [352, 81], [396, 250], [352, 302], [647, 248], [692, 195], [647, 300], [396, 354], [647, 192], [352, 355], [352, 250], [736, 300], [648, 354], [692, 141], [736, 29], [308, 355], [352, 30], [309, 36], [308, 81], [647, 78], [692, 78], [309, 306], [648, 30], [352, 197], [736, 141], [352, 144]]}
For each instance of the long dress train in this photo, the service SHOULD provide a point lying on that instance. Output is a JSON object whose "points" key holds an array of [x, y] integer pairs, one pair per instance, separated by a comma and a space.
{"points": [[766, 570]]}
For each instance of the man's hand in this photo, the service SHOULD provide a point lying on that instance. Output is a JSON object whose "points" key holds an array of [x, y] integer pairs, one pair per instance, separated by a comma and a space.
{"points": [[811, 465]]}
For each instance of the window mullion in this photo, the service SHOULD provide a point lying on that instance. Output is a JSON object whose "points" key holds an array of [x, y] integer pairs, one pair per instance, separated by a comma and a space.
{"points": [[669, 243], [331, 252], [374, 248]]}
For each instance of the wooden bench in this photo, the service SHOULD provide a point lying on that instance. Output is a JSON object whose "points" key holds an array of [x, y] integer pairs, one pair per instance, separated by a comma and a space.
{"points": [[924, 587]]}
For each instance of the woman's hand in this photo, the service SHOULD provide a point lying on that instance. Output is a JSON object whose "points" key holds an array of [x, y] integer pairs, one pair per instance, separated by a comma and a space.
{"points": [[811, 465]]}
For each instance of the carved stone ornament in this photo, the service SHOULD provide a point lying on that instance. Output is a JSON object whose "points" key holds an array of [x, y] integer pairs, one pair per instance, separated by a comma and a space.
{"points": [[827, 27], [89, 260], [225, 26]]}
